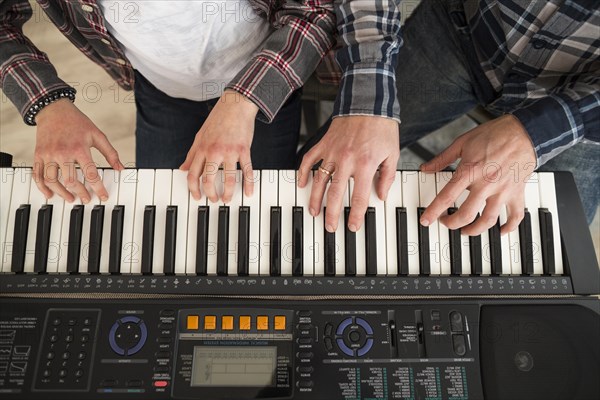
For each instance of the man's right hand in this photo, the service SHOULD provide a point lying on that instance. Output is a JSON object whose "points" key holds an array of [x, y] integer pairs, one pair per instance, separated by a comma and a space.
{"points": [[63, 141]]}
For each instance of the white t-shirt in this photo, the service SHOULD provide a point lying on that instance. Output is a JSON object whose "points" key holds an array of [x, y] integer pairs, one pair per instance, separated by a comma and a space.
{"points": [[188, 49]]}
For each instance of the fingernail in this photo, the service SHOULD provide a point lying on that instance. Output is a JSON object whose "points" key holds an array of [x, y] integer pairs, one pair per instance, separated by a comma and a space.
{"points": [[104, 198], [352, 227], [329, 228], [85, 200], [312, 212], [424, 222]]}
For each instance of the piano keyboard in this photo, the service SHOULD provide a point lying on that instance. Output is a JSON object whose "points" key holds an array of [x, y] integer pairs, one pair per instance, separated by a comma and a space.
{"points": [[151, 227]]}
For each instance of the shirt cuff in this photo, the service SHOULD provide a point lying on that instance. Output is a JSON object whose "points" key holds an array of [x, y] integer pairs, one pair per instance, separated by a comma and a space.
{"points": [[368, 88], [264, 85], [553, 123]]}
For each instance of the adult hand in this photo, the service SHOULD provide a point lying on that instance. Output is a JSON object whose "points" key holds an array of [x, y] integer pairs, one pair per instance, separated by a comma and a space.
{"points": [[63, 141], [354, 146], [497, 158], [225, 138]]}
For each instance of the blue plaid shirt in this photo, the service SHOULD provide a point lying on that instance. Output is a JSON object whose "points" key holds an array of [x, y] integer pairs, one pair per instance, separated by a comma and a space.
{"points": [[542, 59]]}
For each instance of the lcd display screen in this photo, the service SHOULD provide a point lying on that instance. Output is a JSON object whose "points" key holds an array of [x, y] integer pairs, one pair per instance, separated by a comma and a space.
{"points": [[234, 366]]}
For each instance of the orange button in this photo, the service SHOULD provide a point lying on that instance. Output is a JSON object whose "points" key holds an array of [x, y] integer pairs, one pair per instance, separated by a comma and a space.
{"points": [[245, 323], [210, 322], [227, 323], [192, 322], [262, 322], [280, 322]]}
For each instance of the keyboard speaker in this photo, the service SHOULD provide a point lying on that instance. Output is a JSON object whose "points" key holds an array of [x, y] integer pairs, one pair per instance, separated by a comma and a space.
{"points": [[540, 352]]}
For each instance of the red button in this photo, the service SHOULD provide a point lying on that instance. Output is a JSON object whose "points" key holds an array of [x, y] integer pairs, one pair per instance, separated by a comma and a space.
{"points": [[161, 384]]}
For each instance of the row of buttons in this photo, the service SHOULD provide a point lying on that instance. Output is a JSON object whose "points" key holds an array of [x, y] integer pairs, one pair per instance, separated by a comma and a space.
{"points": [[228, 322]]}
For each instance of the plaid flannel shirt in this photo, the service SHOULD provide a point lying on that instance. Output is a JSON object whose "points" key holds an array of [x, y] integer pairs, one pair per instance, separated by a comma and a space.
{"points": [[305, 31], [543, 60]]}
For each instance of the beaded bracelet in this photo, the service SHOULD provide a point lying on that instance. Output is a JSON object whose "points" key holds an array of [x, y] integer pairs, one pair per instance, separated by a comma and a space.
{"points": [[65, 93]]}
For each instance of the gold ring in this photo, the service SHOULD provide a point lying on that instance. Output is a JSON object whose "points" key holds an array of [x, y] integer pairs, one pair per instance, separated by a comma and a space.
{"points": [[325, 171]]}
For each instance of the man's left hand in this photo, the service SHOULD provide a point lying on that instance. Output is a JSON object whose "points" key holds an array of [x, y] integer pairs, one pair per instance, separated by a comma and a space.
{"points": [[354, 146], [497, 158]]}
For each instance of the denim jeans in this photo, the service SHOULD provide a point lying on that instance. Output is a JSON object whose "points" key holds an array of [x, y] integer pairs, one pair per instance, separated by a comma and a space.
{"points": [[166, 128], [436, 86]]}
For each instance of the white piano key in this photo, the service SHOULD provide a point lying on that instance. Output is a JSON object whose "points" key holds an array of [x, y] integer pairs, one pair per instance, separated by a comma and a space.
{"points": [[427, 192], [393, 201], [255, 219], [36, 200], [111, 179], [548, 200], [361, 249], [505, 245], [532, 203], [319, 239], [127, 198], [340, 238], [234, 221], [410, 199], [287, 201], [22, 182], [443, 234], [58, 205], [6, 184], [465, 244], [379, 205], [180, 198], [162, 199], [213, 226], [144, 196], [64, 230], [486, 257], [269, 183], [303, 200]]}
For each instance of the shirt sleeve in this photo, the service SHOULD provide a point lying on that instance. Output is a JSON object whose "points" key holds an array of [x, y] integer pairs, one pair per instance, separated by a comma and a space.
{"points": [[26, 74], [305, 31], [370, 38], [562, 119]]}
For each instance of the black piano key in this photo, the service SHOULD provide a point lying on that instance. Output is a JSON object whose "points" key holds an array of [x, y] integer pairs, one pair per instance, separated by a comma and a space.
{"points": [[148, 239], [20, 238], [297, 241], [424, 249], [476, 253], [223, 241], [202, 240], [455, 247], [275, 242], [42, 238], [496, 249], [170, 241], [75, 230], [350, 245], [526, 244], [402, 240], [243, 260], [116, 239], [371, 242], [95, 246], [547, 238], [329, 247]]}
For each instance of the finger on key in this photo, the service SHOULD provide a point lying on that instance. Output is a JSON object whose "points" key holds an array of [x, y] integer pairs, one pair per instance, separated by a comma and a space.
{"points": [[90, 172], [209, 179], [446, 197], [230, 179], [515, 209], [196, 167], [70, 181], [308, 161], [248, 173], [466, 213], [488, 218], [39, 177], [317, 192], [108, 151], [53, 182], [387, 174], [360, 199], [335, 198]]}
